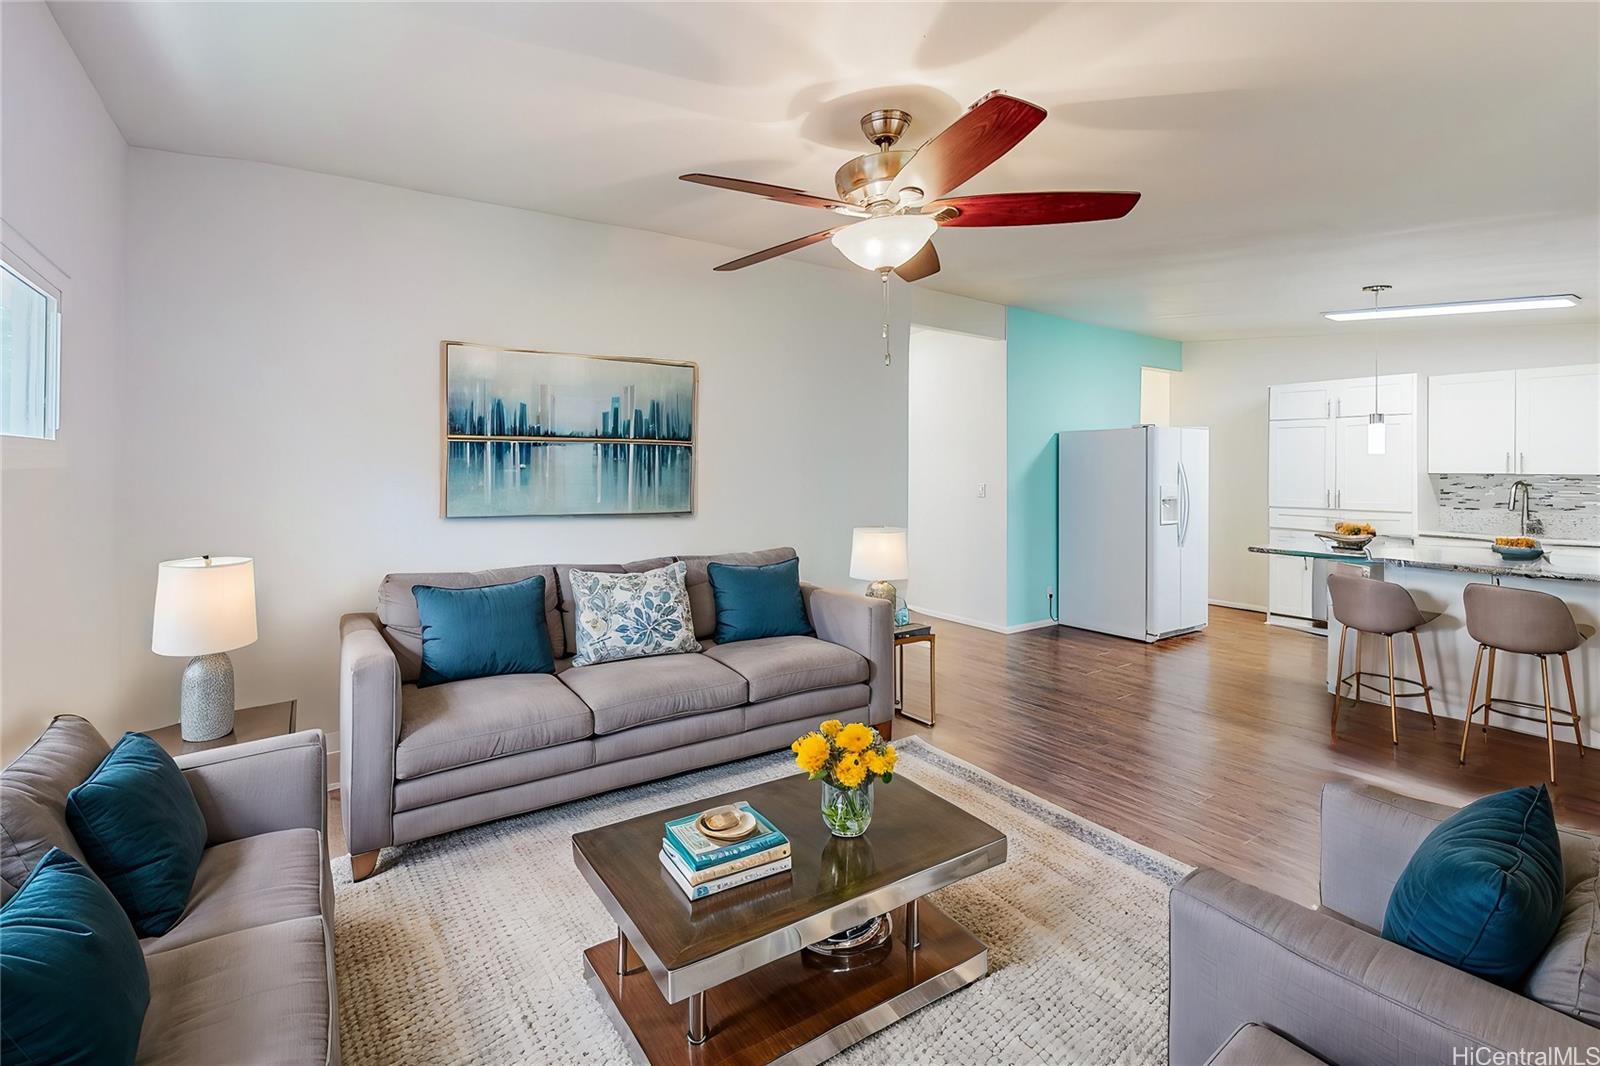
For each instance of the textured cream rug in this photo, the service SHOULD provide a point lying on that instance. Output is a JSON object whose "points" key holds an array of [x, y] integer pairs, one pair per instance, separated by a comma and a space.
{"points": [[466, 948]]}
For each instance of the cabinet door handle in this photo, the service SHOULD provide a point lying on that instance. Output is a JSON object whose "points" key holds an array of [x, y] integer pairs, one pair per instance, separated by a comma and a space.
{"points": [[1338, 408], [1327, 497], [1508, 462], [1522, 462]]}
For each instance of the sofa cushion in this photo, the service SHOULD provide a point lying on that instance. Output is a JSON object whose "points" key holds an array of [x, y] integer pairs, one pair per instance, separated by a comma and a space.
{"points": [[635, 691], [75, 984], [483, 632], [759, 601], [1483, 891], [1256, 1045], [446, 726], [142, 831], [402, 626], [702, 600], [259, 995], [631, 616], [249, 882], [33, 797], [1567, 976], [569, 611], [778, 666]]}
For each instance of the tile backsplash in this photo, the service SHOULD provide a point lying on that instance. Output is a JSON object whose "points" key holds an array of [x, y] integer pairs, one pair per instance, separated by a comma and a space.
{"points": [[1560, 506]]}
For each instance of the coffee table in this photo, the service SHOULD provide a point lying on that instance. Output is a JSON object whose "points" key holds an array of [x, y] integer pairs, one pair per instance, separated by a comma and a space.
{"points": [[724, 979]]}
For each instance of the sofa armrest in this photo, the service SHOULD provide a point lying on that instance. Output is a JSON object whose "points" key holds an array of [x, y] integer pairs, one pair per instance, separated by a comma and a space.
{"points": [[261, 786], [369, 729], [865, 625], [1241, 955], [1368, 836]]}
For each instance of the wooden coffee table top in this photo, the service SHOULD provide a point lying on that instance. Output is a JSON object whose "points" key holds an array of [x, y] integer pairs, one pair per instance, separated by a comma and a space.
{"points": [[918, 842]]}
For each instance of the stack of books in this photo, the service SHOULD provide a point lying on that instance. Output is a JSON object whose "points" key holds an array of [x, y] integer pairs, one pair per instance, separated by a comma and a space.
{"points": [[703, 867]]}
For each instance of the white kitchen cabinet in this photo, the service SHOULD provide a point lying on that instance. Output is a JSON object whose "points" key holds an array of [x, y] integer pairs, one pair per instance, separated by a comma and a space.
{"points": [[1396, 396], [1289, 588], [1306, 399], [1300, 461], [1367, 482], [1558, 420], [1472, 423]]}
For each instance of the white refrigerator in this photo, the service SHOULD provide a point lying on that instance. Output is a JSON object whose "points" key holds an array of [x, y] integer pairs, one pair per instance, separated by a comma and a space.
{"points": [[1131, 549]]}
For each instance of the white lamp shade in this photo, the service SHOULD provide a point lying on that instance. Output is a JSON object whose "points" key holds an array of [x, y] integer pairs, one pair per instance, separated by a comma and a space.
{"points": [[204, 605], [878, 553], [885, 242]]}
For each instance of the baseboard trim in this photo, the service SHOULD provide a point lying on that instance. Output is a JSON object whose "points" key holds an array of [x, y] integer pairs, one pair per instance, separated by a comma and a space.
{"points": [[1043, 623], [945, 616], [1258, 608]]}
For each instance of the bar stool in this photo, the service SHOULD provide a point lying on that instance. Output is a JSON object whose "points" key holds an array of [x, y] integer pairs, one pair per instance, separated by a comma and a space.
{"points": [[1367, 605], [1522, 622]]}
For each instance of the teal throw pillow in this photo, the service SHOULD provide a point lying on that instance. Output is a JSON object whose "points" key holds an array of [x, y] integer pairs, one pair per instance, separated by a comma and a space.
{"points": [[141, 830], [758, 601], [482, 632], [1483, 892], [75, 983]]}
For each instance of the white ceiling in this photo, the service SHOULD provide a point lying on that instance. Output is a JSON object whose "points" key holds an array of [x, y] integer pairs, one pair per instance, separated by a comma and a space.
{"points": [[1288, 153]]}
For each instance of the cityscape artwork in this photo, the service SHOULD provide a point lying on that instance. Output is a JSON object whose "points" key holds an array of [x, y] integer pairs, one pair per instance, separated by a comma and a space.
{"points": [[550, 433]]}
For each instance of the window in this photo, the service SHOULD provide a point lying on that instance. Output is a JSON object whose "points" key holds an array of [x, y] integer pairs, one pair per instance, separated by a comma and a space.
{"points": [[30, 341]]}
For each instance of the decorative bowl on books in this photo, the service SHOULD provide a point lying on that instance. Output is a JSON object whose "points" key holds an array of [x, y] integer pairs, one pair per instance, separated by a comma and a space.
{"points": [[726, 823], [847, 759]]}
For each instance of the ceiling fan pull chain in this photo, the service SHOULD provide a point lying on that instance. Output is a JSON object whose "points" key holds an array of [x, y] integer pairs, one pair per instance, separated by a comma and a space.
{"points": [[884, 274]]}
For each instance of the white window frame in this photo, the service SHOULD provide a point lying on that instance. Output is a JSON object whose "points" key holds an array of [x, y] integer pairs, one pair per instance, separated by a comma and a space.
{"points": [[19, 266]]}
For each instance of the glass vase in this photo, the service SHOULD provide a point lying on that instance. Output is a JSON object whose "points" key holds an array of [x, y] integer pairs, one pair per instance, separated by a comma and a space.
{"points": [[847, 811]]}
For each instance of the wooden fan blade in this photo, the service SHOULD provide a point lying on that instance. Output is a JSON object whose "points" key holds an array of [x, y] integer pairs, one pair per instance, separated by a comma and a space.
{"points": [[988, 131], [1032, 208], [780, 249], [924, 264], [781, 193]]}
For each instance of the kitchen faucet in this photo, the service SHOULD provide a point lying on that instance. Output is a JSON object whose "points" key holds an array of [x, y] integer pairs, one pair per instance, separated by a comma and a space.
{"points": [[1523, 519]]}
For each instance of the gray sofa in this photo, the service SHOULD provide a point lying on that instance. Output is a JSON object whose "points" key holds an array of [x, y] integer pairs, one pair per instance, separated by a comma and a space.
{"points": [[418, 762], [1244, 960], [246, 975]]}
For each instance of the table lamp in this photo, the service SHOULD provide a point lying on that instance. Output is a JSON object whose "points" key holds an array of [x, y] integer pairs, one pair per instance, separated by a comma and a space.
{"points": [[205, 607], [878, 555]]}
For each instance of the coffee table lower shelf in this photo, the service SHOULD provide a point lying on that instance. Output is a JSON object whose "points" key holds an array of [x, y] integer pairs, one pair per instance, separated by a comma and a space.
{"points": [[793, 1011]]}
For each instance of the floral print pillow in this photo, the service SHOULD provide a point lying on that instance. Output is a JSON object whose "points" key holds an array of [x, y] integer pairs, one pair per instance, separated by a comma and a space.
{"points": [[629, 616]]}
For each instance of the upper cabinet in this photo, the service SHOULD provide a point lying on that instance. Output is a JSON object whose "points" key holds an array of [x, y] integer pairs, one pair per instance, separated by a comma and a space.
{"points": [[1308, 399], [1344, 397], [1558, 420], [1317, 446], [1300, 461], [1515, 422]]}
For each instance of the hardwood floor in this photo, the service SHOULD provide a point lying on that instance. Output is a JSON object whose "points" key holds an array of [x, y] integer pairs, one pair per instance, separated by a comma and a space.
{"points": [[1212, 748]]}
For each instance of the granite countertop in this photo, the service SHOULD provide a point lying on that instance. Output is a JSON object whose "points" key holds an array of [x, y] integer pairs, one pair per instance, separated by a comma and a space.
{"points": [[1556, 564]]}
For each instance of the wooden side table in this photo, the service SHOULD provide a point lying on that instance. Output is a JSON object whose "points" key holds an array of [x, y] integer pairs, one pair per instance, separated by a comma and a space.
{"points": [[913, 633], [249, 723]]}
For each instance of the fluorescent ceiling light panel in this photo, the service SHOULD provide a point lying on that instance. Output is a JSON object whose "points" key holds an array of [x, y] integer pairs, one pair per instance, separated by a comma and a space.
{"points": [[1463, 307]]}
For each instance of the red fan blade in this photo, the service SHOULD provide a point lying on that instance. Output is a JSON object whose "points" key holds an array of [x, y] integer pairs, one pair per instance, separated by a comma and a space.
{"points": [[988, 131], [924, 264], [781, 193], [780, 249], [1032, 208]]}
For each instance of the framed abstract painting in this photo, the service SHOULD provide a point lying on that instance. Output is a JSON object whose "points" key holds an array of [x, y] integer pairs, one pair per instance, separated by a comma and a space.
{"points": [[554, 433]]}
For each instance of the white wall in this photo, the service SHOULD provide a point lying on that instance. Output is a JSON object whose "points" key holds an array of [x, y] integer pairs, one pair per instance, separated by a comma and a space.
{"points": [[957, 540], [61, 197], [281, 397], [1224, 386]]}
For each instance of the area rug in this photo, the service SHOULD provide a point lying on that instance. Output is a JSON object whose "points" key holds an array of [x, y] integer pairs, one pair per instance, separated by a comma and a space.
{"points": [[465, 948]]}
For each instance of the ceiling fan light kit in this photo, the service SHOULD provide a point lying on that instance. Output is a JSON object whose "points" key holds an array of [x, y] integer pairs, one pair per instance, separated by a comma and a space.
{"points": [[886, 241]]}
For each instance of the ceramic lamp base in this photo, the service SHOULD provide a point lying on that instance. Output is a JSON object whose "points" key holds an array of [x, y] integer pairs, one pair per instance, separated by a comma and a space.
{"points": [[884, 591], [206, 703]]}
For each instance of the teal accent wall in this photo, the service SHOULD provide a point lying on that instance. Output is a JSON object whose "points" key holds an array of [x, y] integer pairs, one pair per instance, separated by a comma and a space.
{"points": [[1060, 375]]}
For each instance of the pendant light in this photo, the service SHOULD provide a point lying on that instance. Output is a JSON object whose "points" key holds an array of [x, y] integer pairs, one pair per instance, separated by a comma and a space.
{"points": [[1377, 432]]}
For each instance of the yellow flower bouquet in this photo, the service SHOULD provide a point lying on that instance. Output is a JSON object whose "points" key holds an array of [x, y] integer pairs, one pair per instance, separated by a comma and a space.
{"points": [[847, 759]]}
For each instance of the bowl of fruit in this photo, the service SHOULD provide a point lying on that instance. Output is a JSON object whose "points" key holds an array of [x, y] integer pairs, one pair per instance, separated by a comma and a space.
{"points": [[1350, 536], [1517, 548]]}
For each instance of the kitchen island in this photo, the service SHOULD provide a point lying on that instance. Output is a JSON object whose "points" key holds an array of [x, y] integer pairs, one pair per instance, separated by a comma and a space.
{"points": [[1435, 577]]}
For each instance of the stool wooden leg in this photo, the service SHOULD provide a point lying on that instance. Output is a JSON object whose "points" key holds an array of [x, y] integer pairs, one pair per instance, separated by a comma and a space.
{"points": [[1422, 675], [1394, 714], [1338, 682], [1572, 702], [1488, 693], [1357, 696], [1549, 718], [1472, 704]]}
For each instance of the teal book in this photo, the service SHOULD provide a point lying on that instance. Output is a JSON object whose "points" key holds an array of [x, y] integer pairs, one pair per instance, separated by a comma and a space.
{"points": [[700, 851]]}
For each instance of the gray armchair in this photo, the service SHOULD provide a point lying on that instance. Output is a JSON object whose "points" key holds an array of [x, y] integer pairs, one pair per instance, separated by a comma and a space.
{"points": [[1324, 978]]}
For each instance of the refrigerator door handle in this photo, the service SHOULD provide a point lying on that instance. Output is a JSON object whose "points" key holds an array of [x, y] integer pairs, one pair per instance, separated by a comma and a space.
{"points": [[1183, 505]]}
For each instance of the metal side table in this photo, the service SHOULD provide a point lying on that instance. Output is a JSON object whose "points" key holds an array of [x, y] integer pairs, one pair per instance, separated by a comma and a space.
{"points": [[913, 633]]}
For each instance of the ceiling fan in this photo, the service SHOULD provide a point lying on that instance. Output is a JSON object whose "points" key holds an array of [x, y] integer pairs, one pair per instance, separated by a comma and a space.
{"points": [[895, 199]]}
